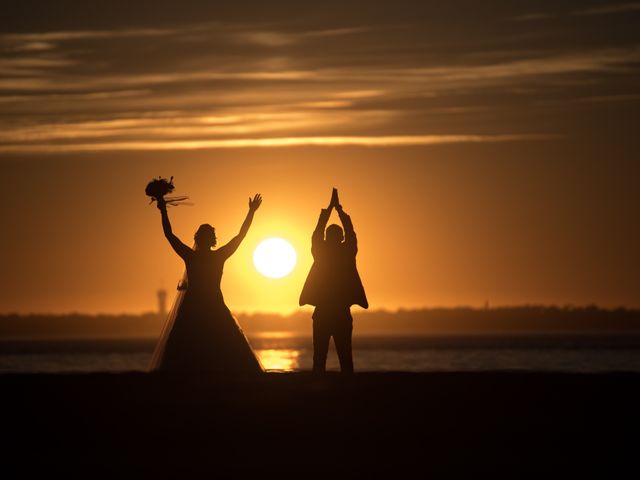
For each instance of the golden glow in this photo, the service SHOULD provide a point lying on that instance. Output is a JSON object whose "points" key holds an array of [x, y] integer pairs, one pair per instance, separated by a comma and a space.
{"points": [[271, 335], [366, 141], [281, 360], [274, 257], [454, 197]]}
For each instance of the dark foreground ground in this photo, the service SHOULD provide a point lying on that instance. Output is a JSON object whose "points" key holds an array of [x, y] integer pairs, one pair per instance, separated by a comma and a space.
{"points": [[299, 425]]}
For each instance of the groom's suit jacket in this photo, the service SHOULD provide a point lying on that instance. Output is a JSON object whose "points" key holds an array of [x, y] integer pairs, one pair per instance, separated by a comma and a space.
{"points": [[333, 279]]}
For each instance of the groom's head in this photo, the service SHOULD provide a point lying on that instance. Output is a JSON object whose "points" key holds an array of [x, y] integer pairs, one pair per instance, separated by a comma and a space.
{"points": [[205, 236], [334, 234]]}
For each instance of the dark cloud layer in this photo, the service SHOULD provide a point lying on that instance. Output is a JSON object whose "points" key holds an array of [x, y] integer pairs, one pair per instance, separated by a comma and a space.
{"points": [[154, 76]]}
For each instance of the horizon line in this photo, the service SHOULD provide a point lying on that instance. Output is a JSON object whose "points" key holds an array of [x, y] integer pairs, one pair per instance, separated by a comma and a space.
{"points": [[358, 311]]}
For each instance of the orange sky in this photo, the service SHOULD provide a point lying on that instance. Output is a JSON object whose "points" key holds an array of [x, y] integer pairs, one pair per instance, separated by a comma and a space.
{"points": [[491, 157]]}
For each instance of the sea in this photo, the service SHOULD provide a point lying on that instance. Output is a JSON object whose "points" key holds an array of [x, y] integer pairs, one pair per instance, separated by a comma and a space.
{"points": [[283, 352]]}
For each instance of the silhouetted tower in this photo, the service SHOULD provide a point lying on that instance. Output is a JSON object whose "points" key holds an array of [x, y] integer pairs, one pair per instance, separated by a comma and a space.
{"points": [[162, 302]]}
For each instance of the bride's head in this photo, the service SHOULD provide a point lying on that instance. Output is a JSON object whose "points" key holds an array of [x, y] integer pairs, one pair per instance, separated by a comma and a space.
{"points": [[205, 237]]}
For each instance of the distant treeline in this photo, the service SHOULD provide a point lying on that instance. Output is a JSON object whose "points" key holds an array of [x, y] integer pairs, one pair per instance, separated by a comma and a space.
{"points": [[445, 321], [437, 321], [79, 325]]}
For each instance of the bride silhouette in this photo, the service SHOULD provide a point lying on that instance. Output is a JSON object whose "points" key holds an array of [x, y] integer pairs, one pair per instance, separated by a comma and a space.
{"points": [[200, 333]]}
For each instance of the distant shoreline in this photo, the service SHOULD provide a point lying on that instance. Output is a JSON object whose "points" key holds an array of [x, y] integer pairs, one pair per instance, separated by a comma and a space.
{"points": [[523, 320]]}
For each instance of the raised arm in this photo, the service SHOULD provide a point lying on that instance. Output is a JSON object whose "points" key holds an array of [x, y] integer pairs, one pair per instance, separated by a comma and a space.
{"points": [[317, 238], [350, 239], [179, 247], [230, 248]]}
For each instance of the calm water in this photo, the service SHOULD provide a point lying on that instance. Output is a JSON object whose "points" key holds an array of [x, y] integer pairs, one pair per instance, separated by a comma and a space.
{"points": [[282, 352]]}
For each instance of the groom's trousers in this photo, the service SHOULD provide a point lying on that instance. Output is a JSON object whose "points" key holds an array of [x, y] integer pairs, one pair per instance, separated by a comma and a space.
{"points": [[335, 322]]}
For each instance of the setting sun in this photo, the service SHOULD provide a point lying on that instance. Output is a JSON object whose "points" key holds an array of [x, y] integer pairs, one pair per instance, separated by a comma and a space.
{"points": [[274, 257]]}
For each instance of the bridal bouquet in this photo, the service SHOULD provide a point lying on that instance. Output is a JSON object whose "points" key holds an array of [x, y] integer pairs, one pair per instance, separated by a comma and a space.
{"points": [[159, 187]]}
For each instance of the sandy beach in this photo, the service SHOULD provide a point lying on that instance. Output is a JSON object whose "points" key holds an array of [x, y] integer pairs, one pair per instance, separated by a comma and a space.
{"points": [[505, 423]]}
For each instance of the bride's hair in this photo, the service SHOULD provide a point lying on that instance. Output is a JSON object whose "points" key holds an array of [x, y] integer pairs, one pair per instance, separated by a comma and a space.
{"points": [[205, 236]]}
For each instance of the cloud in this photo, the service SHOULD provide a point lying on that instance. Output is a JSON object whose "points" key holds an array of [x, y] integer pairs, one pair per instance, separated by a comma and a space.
{"points": [[589, 11], [265, 39], [234, 33], [382, 80], [78, 97], [191, 127], [71, 83], [433, 77], [530, 17], [609, 98], [33, 62], [361, 141], [261, 38], [326, 104], [355, 94], [609, 9], [68, 35], [33, 47], [498, 73]]}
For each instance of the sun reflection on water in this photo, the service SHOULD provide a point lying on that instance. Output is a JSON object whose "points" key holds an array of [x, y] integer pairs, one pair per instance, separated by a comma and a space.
{"points": [[281, 360]]}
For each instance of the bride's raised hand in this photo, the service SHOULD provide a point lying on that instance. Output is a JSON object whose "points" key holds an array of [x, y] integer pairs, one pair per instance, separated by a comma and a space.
{"points": [[255, 203]]}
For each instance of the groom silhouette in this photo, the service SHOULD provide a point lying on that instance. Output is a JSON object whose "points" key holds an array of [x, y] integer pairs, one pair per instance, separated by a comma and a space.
{"points": [[332, 286]]}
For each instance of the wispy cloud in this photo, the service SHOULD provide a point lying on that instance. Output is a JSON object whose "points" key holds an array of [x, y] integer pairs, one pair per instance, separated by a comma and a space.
{"points": [[204, 126], [92, 96], [609, 98], [7, 64], [355, 94], [32, 47], [71, 83], [362, 141], [608, 9], [438, 77], [530, 17], [588, 11], [496, 73], [267, 38], [62, 36], [222, 84], [240, 34]]}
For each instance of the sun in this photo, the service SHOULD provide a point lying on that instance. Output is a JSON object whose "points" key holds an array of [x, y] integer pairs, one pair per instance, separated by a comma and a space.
{"points": [[274, 257]]}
